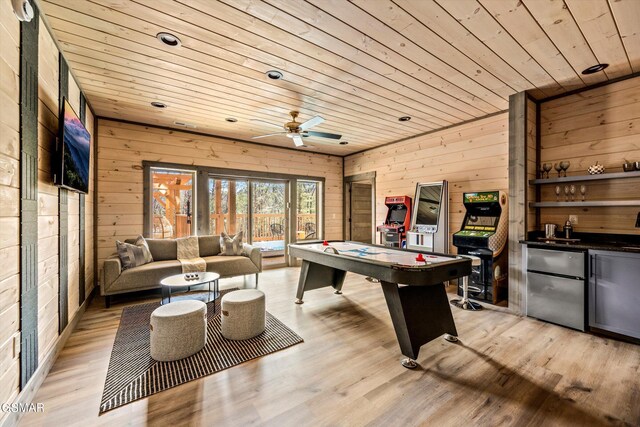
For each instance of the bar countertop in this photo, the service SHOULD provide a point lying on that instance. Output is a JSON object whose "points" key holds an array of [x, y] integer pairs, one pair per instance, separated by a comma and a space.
{"points": [[587, 241]]}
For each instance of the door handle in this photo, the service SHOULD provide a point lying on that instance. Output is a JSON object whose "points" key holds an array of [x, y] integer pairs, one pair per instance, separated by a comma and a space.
{"points": [[592, 266]]}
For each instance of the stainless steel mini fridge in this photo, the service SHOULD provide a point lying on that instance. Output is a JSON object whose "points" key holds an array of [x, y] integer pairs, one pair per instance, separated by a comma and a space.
{"points": [[556, 286]]}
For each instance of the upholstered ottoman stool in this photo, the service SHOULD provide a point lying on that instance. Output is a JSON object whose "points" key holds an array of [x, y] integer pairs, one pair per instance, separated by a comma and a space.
{"points": [[243, 314], [178, 330]]}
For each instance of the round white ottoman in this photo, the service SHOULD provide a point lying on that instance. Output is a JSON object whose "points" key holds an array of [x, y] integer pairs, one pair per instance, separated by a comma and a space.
{"points": [[243, 314], [178, 330]]}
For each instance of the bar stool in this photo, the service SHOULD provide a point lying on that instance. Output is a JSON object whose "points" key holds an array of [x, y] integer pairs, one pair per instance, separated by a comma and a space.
{"points": [[465, 303]]}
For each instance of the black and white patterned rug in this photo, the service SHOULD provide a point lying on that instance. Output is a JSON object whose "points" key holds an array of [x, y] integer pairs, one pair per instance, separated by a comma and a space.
{"points": [[134, 375]]}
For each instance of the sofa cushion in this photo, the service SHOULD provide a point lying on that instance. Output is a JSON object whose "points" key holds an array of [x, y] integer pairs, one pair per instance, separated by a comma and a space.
{"points": [[163, 249], [133, 254], [145, 276], [227, 266], [231, 246], [209, 245]]}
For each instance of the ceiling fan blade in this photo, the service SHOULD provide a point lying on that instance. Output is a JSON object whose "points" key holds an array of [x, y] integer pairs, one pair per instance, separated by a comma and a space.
{"points": [[314, 121], [269, 134], [267, 123], [323, 134], [297, 139]]}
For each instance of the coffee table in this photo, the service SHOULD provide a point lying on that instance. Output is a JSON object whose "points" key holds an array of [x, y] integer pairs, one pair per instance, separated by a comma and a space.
{"points": [[180, 281]]}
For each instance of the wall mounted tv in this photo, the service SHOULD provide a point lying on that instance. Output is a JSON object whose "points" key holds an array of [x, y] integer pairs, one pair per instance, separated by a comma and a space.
{"points": [[73, 152]]}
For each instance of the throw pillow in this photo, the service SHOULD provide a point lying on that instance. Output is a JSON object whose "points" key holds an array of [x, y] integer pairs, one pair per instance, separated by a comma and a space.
{"points": [[134, 255], [231, 246]]}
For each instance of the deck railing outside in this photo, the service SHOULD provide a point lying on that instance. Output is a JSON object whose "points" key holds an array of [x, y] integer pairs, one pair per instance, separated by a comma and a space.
{"points": [[265, 226]]}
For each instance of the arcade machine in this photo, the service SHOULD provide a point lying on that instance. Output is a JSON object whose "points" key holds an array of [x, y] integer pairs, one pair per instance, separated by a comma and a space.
{"points": [[430, 219], [393, 230], [484, 234]]}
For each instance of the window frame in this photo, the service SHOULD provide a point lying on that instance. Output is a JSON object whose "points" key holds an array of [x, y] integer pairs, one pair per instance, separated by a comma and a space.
{"points": [[201, 193]]}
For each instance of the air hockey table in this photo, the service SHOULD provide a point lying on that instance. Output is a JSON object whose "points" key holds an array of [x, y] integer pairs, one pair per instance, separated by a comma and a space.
{"points": [[413, 289]]}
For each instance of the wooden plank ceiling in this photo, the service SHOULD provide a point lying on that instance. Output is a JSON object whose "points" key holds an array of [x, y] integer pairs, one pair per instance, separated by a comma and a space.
{"points": [[360, 64]]}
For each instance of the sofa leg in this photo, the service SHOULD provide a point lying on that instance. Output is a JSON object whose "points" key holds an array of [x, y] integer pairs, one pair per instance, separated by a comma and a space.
{"points": [[257, 280], [107, 301]]}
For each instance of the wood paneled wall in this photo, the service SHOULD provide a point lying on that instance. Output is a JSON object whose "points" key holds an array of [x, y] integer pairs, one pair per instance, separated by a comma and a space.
{"points": [[123, 147], [47, 203], [603, 125], [472, 157], [10, 202]]}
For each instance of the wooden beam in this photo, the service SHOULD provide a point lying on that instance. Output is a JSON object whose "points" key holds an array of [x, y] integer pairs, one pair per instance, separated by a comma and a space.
{"points": [[517, 198]]}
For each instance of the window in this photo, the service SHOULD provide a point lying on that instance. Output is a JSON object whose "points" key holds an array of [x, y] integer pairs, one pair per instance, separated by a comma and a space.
{"points": [[173, 203], [307, 219]]}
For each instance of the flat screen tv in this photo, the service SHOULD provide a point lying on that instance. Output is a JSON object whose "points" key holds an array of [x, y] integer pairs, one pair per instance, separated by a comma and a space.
{"points": [[73, 152]]}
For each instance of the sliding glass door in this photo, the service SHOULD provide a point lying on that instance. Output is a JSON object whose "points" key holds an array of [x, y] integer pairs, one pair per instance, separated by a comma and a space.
{"points": [[228, 206], [269, 219], [258, 208], [307, 210]]}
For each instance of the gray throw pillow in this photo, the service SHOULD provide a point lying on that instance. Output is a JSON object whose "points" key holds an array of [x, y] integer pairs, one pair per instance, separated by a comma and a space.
{"points": [[134, 255], [231, 246]]}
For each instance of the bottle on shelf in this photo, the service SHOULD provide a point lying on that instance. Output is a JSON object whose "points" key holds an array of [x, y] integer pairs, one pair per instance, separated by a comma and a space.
{"points": [[568, 229]]}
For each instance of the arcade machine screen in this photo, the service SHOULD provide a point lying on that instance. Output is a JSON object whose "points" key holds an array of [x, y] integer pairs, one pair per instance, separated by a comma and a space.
{"points": [[428, 208], [482, 221], [398, 215]]}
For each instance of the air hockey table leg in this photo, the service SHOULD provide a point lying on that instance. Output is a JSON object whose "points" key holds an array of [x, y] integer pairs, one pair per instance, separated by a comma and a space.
{"points": [[315, 276], [419, 314]]}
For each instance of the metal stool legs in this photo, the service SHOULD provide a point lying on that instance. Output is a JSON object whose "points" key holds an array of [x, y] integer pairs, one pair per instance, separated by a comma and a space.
{"points": [[465, 303]]}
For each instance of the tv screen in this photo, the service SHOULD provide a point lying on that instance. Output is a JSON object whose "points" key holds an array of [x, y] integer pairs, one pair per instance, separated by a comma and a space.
{"points": [[74, 152], [428, 205]]}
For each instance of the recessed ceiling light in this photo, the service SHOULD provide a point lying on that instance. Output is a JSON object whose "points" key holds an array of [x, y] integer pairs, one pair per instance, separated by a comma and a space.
{"points": [[594, 68], [231, 119], [404, 119], [274, 74], [344, 142], [158, 104], [169, 39]]}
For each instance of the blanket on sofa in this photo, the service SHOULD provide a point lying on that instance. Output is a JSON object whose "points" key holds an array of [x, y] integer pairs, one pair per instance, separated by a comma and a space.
{"points": [[189, 255]]}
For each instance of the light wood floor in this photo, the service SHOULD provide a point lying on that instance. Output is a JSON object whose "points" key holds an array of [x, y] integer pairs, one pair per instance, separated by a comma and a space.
{"points": [[506, 370]]}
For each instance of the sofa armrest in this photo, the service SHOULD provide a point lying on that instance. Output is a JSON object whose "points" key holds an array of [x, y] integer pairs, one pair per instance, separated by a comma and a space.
{"points": [[110, 272], [254, 254]]}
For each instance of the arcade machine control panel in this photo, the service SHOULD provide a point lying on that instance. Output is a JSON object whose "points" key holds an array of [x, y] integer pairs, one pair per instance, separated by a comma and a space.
{"points": [[393, 230]]}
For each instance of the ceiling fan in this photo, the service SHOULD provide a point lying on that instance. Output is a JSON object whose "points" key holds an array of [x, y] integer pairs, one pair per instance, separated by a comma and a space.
{"points": [[297, 130]]}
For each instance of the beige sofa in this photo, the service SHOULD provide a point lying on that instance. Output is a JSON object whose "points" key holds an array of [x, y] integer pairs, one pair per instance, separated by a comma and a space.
{"points": [[165, 263]]}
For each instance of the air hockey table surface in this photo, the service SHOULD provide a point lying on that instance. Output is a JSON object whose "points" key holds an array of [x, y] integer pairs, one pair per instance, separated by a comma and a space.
{"points": [[384, 263]]}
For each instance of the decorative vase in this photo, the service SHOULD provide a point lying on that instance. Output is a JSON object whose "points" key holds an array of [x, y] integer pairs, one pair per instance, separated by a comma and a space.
{"points": [[595, 169]]}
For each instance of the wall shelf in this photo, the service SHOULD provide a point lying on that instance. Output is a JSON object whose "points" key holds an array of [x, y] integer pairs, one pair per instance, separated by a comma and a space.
{"points": [[577, 178], [586, 203]]}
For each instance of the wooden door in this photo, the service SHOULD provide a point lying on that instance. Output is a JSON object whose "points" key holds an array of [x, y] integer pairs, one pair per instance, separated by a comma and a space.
{"points": [[361, 212]]}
